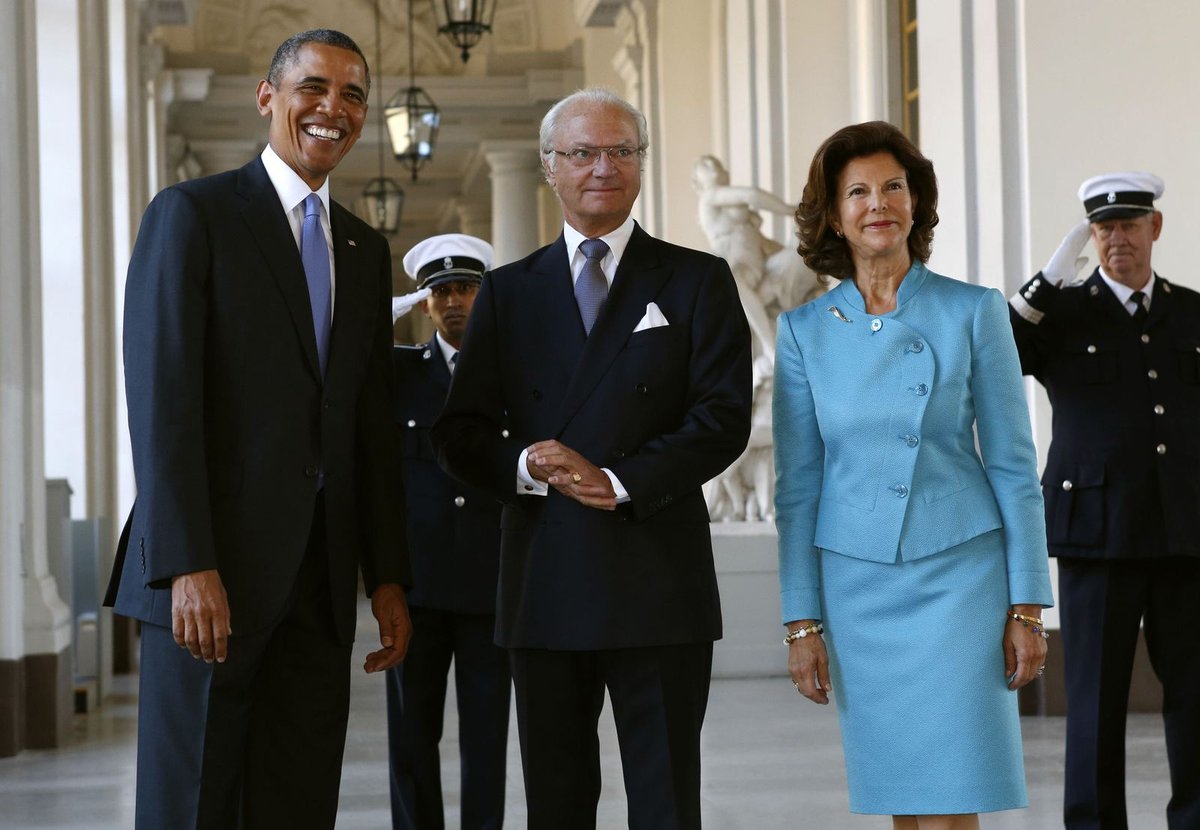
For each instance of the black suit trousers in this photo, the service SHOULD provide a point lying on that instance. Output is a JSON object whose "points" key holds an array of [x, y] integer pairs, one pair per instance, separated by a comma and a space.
{"points": [[1103, 602], [416, 700], [659, 696], [256, 741]]}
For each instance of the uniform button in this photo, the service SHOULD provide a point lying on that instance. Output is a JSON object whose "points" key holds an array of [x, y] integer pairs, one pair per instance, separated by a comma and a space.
{"points": [[411, 422], [1091, 349], [1029, 294], [310, 471], [1037, 281], [1152, 374], [876, 324], [459, 501], [1067, 485], [641, 388], [911, 440], [917, 347], [503, 433], [327, 404], [1161, 449], [901, 491], [1158, 409], [921, 389], [1145, 338]]}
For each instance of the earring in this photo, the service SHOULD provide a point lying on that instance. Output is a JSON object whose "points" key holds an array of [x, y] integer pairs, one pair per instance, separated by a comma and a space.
{"points": [[839, 234]]}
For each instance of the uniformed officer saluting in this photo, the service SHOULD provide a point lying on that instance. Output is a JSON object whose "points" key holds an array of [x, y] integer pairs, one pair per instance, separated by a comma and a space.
{"points": [[1119, 355], [454, 538]]}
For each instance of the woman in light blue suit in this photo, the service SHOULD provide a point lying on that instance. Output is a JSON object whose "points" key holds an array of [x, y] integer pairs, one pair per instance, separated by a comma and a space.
{"points": [[912, 541]]}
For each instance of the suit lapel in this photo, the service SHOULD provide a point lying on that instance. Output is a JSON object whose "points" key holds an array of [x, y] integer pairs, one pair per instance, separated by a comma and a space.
{"points": [[556, 314], [349, 286], [269, 227], [435, 366], [1160, 301], [639, 278], [1104, 299]]}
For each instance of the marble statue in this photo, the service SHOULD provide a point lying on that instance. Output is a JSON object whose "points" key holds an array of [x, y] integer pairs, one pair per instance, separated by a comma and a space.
{"points": [[771, 278]]}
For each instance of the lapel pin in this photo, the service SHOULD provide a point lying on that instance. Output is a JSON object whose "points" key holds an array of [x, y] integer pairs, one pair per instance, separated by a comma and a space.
{"points": [[352, 243], [1094, 290], [837, 312]]}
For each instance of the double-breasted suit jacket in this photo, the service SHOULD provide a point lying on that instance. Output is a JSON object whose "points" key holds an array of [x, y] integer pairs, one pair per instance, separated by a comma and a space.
{"points": [[876, 420], [453, 530], [666, 409], [232, 424], [1121, 477]]}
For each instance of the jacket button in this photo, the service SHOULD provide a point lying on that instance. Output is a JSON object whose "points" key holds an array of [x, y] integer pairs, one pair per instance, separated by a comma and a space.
{"points": [[900, 490], [641, 388], [459, 501], [1158, 409], [537, 394], [618, 453], [310, 471], [1152, 374], [917, 347], [1067, 485], [327, 404], [921, 389], [411, 422], [503, 433], [911, 440], [1146, 339], [1091, 350], [1161, 449]]}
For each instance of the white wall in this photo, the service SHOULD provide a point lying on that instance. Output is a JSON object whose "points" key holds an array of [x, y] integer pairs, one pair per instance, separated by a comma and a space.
{"points": [[1112, 86]]}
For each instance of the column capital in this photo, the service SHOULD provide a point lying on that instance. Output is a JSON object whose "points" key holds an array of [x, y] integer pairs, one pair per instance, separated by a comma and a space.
{"points": [[511, 155]]}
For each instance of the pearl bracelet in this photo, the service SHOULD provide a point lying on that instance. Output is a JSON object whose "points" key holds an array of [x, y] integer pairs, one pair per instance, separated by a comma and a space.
{"points": [[802, 632], [1036, 623]]}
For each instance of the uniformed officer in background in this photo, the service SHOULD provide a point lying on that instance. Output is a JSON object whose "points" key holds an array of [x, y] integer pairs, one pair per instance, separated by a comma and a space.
{"points": [[454, 538], [1119, 355]]}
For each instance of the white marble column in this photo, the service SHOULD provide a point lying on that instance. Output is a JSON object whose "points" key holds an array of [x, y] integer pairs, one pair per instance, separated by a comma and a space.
{"points": [[474, 218], [34, 623], [516, 174]]}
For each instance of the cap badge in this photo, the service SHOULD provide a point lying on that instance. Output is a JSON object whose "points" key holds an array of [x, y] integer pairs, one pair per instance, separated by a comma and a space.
{"points": [[449, 263], [1112, 197]]}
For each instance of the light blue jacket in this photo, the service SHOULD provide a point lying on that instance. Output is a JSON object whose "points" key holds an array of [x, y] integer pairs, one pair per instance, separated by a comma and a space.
{"points": [[875, 435]]}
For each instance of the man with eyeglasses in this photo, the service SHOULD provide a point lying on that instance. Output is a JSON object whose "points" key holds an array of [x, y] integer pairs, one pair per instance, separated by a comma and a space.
{"points": [[603, 380], [1119, 355], [454, 545]]}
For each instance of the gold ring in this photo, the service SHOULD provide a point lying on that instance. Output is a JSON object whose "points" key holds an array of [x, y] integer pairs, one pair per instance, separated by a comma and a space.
{"points": [[576, 477]]}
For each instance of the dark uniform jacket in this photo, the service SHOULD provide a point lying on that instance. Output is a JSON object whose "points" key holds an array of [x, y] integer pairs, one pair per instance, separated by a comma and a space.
{"points": [[453, 530], [1123, 474]]}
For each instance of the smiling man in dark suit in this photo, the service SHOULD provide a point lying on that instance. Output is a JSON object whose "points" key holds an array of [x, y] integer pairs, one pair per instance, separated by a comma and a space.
{"points": [[603, 380], [257, 339]]}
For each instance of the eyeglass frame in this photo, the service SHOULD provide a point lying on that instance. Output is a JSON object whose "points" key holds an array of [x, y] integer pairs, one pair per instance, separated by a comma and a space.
{"points": [[637, 153]]}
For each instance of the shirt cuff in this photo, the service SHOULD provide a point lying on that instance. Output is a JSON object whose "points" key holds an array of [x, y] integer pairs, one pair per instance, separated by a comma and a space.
{"points": [[618, 487], [527, 485]]}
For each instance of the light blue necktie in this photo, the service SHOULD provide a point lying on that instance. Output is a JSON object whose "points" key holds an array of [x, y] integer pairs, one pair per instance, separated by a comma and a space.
{"points": [[591, 289], [314, 254]]}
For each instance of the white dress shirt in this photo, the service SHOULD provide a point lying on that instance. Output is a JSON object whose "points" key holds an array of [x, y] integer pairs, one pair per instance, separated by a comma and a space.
{"points": [[292, 191], [1124, 292]]}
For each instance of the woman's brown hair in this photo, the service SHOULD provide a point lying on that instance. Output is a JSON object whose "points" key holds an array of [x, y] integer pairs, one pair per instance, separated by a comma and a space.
{"points": [[820, 247]]}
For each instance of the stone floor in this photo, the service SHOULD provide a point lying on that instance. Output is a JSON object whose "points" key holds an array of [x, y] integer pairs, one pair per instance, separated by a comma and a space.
{"points": [[772, 760]]}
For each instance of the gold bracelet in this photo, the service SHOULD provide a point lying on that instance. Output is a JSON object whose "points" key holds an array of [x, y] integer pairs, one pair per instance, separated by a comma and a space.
{"points": [[802, 632], [1036, 622]]}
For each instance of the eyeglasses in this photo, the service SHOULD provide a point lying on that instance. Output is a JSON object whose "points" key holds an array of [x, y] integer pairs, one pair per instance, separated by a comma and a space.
{"points": [[584, 157], [462, 288]]}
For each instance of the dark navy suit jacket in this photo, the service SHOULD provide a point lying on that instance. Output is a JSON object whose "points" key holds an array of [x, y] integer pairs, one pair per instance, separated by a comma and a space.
{"points": [[665, 409], [453, 530], [230, 420], [1121, 479]]}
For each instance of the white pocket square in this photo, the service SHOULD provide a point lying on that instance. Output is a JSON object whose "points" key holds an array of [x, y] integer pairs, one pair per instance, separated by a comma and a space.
{"points": [[652, 319]]}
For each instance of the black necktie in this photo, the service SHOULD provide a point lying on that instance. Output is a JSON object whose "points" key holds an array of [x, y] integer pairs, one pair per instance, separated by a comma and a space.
{"points": [[1139, 316]]}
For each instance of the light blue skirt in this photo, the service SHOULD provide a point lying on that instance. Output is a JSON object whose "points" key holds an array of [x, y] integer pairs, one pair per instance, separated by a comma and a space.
{"points": [[917, 665]]}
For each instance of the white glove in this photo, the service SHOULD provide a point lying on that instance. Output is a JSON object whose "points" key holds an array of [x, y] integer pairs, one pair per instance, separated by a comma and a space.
{"points": [[1066, 263], [404, 304]]}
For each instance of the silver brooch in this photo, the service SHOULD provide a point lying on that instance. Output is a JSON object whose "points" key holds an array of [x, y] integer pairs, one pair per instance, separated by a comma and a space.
{"points": [[837, 312]]}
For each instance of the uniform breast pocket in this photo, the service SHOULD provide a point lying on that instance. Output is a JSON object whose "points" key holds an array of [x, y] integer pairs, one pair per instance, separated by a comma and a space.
{"points": [[1188, 355], [1088, 363], [1075, 505], [414, 440]]}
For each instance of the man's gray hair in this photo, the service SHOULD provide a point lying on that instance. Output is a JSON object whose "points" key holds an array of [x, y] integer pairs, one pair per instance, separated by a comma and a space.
{"points": [[593, 96]]}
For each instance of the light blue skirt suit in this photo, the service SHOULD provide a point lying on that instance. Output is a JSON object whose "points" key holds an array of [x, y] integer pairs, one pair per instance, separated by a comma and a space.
{"points": [[907, 538]]}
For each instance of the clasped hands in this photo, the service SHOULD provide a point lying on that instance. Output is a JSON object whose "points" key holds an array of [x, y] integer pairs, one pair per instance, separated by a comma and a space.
{"points": [[200, 619], [570, 474]]}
